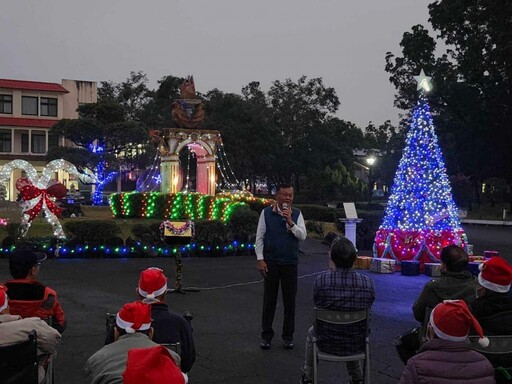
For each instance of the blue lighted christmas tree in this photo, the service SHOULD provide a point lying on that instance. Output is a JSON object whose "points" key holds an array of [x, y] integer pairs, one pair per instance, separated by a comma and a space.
{"points": [[421, 217]]}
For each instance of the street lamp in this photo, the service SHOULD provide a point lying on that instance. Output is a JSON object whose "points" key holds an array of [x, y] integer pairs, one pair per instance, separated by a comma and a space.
{"points": [[370, 161]]}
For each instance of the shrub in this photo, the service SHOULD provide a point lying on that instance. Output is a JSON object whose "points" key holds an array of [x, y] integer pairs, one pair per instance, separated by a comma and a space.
{"points": [[316, 227], [13, 230], [366, 229], [319, 213], [92, 231], [243, 223], [211, 232]]}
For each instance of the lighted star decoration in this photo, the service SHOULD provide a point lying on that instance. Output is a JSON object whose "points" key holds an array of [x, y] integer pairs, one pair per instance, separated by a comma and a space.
{"points": [[424, 82]]}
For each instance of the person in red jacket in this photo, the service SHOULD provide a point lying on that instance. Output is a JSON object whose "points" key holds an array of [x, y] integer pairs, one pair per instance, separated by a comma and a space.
{"points": [[447, 357], [27, 296]]}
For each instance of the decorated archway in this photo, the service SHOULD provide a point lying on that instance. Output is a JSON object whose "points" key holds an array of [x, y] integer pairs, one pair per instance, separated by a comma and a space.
{"points": [[203, 143]]}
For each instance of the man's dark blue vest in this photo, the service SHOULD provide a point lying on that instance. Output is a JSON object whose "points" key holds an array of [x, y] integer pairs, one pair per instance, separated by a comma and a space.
{"points": [[280, 245]]}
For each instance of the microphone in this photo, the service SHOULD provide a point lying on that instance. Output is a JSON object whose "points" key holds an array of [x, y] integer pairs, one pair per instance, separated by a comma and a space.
{"points": [[284, 206]]}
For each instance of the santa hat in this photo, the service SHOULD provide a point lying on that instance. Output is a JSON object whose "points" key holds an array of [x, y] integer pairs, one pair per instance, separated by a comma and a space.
{"points": [[153, 365], [134, 317], [152, 283], [4, 300], [496, 275], [451, 320]]}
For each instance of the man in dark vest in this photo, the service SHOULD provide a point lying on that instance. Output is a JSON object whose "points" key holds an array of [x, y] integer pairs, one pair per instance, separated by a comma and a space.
{"points": [[280, 228]]}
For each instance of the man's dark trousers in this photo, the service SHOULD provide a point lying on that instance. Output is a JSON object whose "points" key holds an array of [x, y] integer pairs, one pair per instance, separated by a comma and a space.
{"points": [[287, 274]]}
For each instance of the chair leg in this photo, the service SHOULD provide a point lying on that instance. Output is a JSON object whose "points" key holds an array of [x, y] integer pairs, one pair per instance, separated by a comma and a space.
{"points": [[367, 365], [315, 364]]}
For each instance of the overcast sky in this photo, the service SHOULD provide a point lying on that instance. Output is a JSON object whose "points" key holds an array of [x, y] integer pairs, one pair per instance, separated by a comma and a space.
{"points": [[225, 44]]}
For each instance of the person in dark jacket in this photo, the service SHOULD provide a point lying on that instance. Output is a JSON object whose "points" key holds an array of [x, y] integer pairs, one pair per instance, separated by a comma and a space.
{"points": [[446, 358], [169, 327], [455, 283], [27, 296], [280, 228], [493, 306]]}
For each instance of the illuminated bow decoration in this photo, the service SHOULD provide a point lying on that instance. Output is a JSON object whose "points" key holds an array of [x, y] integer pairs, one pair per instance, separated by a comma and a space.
{"points": [[41, 199]]}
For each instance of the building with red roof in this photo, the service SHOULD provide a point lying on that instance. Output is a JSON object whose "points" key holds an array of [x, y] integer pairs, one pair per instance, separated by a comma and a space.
{"points": [[28, 109]]}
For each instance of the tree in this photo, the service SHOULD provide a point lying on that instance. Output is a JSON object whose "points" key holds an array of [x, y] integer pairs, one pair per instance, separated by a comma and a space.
{"points": [[299, 109], [421, 216], [103, 141], [473, 86]]}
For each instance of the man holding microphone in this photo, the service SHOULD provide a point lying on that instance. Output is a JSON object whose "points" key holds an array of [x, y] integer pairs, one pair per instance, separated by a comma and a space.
{"points": [[280, 228]]}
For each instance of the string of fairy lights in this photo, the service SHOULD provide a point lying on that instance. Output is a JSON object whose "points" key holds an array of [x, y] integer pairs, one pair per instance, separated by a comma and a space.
{"points": [[64, 251], [150, 179], [421, 216], [190, 205]]}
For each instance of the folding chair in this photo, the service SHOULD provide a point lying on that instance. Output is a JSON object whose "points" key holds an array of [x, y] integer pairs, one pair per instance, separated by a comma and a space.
{"points": [[342, 318], [499, 353], [18, 362]]}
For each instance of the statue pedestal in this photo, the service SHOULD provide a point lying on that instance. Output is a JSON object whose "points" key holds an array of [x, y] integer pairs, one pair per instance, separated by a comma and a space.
{"points": [[350, 228]]}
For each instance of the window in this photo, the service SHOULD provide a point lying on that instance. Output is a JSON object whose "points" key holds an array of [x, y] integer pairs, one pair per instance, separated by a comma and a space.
{"points": [[24, 142], [38, 142], [48, 106], [5, 104], [29, 105], [53, 141], [5, 140]]}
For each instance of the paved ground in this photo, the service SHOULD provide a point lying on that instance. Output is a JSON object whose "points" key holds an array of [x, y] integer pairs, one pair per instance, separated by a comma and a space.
{"points": [[227, 312]]}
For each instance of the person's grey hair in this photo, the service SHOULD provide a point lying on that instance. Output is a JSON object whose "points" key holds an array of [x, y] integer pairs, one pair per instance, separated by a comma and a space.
{"points": [[343, 252]]}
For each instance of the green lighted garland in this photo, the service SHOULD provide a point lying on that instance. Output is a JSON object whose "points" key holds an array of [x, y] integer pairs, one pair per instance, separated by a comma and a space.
{"points": [[190, 205]]}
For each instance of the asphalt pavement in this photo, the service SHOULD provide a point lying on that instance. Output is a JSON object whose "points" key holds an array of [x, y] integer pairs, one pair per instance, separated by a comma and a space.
{"points": [[227, 311]]}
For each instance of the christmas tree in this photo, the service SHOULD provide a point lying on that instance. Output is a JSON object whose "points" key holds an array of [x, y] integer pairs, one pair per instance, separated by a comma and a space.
{"points": [[421, 217]]}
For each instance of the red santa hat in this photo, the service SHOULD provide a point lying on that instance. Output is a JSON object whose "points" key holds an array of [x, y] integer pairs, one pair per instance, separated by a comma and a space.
{"points": [[153, 365], [4, 300], [152, 283], [134, 317], [452, 320], [496, 275]]}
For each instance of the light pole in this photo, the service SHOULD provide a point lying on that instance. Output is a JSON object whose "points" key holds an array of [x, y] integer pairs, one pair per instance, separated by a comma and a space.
{"points": [[370, 161]]}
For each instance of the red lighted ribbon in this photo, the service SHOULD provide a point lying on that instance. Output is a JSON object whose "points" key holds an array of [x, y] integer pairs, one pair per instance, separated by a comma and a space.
{"points": [[30, 192]]}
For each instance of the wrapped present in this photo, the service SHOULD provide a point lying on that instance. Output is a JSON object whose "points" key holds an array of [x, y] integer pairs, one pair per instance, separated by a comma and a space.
{"points": [[489, 254], [469, 249], [433, 269], [473, 267], [381, 265], [476, 258], [410, 267], [363, 262]]}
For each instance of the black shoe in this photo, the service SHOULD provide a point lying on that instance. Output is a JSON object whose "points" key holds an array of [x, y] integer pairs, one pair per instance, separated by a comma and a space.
{"points": [[288, 344], [265, 344]]}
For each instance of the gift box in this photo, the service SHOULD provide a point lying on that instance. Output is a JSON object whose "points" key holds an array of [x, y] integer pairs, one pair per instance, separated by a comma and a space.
{"points": [[381, 265], [469, 249], [410, 267], [363, 262], [476, 258], [489, 254], [433, 269], [473, 267]]}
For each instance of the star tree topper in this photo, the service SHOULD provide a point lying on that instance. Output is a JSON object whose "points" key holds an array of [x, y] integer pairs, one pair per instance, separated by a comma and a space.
{"points": [[424, 82]]}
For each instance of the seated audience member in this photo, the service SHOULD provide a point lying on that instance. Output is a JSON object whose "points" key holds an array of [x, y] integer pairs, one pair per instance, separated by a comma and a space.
{"points": [[132, 330], [14, 329], [455, 283], [27, 296], [493, 306], [446, 357], [152, 366], [169, 327], [340, 288]]}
